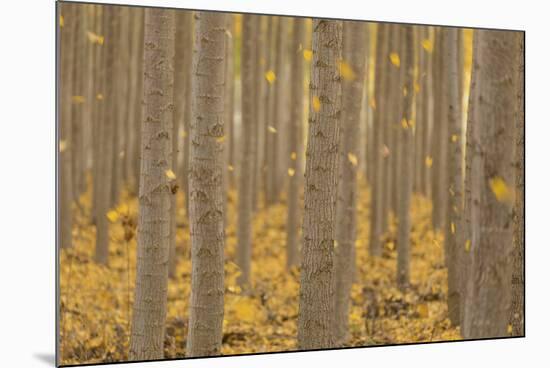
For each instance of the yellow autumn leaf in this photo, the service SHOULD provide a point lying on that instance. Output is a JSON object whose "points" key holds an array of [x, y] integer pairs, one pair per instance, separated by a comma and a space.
{"points": [[423, 310], [245, 310], [416, 87], [95, 38], [183, 134], [346, 71], [61, 21], [62, 145], [509, 329], [500, 189], [404, 123], [405, 91], [220, 139], [78, 99], [427, 45], [453, 229], [308, 54], [170, 174], [99, 96], [372, 103], [467, 245], [293, 156], [411, 123], [352, 159], [272, 129], [395, 60], [112, 215], [230, 168], [291, 171], [270, 76], [454, 138], [429, 161], [316, 103]]}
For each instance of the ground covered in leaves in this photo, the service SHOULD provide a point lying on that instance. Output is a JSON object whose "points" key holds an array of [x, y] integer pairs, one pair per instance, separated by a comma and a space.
{"points": [[96, 300]]}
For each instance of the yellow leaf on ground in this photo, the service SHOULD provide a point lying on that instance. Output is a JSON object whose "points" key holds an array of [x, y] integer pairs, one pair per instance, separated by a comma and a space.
{"points": [[427, 45], [245, 310], [395, 60], [170, 174], [429, 161], [423, 310], [270, 76], [346, 71], [308, 54], [272, 129], [352, 159], [291, 171], [316, 103]]}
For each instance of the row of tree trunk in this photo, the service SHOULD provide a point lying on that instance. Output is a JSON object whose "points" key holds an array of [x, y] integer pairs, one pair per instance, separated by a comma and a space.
{"points": [[149, 102]]}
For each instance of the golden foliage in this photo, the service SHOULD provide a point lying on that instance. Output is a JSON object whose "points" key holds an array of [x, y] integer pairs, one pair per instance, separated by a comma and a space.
{"points": [[270, 76], [346, 71], [291, 171], [352, 158], [308, 54], [271, 129], [96, 301], [428, 45], [501, 190], [395, 60], [170, 174], [316, 103]]}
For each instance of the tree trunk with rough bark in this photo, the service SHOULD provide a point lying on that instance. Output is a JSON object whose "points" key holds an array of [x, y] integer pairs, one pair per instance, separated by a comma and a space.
{"points": [[206, 187], [149, 311], [317, 279]]}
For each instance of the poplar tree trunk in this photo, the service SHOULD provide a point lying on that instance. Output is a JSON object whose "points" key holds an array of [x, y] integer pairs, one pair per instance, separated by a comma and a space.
{"points": [[518, 289], [295, 144], [492, 116], [188, 67], [206, 187], [258, 112], [317, 279], [269, 104], [406, 160], [108, 121], [67, 11], [426, 91], [354, 55], [380, 80], [244, 231], [453, 223], [230, 102], [149, 312]]}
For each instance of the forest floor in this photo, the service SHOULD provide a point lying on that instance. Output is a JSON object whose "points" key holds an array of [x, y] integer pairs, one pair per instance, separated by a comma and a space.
{"points": [[96, 301]]}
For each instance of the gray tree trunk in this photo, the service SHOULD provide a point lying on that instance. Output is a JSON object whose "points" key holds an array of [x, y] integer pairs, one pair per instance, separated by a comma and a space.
{"points": [[244, 231], [354, 54], [406, 161], [295, 144], [317, 279], [492, 114], [149, 311], [206, 187]]}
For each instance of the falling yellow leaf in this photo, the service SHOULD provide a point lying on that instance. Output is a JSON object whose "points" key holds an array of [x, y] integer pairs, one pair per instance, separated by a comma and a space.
{"points": [[95, 38], [78, 99], [405, 91], [454, 138], [427, 45], [230, 168], [372, 103], [395, 60], [272, 129], [183, 134], [352, 159], [112, 215], [61, 21], [62, 145], [416, 87], [423, 310], [467, 245], [291, 171], [404, 123], [429, 161], [335, 243], [346, 71], [390, 245], [220, 139], [453, 229], [411, 123], [293, 156], [170, 174], [99, 96], [509, 329], [316, 103], [270, 76], [500, 189], [308, 54]]}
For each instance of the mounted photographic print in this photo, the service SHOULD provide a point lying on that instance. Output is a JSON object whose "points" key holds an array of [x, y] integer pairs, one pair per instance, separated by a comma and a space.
{"points": [[245, 183]]}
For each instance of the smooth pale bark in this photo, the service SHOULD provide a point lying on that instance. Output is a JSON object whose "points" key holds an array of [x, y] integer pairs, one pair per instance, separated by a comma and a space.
{"points": [[405, 142], [354, 54], [149, 311], [269, 103], [516, 319], [295, 144], [230, 102], [67, 33], [107, 124], [244, 230], [380, 87], [453, 223], [492, 114], [188, 67], [259, 79], [98, 72], [425, 108], [206, 188], [321, 176], [440, 136]]}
